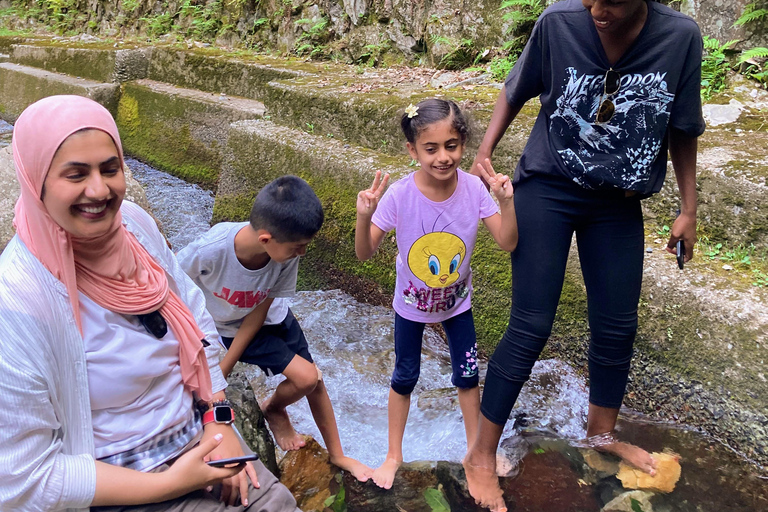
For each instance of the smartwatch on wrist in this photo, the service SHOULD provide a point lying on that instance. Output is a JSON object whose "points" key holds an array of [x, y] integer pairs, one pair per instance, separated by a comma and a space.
{"points": [[221, 412]]}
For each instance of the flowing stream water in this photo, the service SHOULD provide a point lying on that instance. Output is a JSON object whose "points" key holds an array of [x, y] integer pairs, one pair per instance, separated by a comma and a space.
{"points": [[353, 346]]}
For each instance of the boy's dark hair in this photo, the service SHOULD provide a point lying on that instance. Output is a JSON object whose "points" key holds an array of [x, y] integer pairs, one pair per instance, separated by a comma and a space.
{"points": [[288, 209], [431, 111]]}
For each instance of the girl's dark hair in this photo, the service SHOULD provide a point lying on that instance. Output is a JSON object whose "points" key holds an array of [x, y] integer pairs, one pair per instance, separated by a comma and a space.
{"points": [[431, 111]]}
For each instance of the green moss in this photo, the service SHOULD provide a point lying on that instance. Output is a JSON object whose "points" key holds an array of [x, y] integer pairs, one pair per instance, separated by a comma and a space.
{"points": [[156, 128]]}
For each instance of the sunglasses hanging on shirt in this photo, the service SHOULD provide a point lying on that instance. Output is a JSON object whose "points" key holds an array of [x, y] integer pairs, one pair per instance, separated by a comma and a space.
{"points": [[154, 323], [611, 85]]}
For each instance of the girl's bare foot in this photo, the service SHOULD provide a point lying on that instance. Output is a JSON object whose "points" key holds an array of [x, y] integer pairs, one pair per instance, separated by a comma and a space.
{"points": [[632, 455], [384, 475], [482, 481], [285, 436], [358, 470]]}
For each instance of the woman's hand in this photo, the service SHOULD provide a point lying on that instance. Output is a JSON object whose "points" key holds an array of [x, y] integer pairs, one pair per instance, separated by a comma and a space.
{"points": [[237, 484], [477, 165], [368, 199], [190, 472], [684, 228], [499, 183]]}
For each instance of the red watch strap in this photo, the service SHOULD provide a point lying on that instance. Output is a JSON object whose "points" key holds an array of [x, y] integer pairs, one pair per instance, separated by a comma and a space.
{"points": [[209, 416]]}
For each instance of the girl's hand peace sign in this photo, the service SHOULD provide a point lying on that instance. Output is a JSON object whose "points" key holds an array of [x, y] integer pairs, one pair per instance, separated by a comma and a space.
{"points": [[500, 184], [368, 199]]}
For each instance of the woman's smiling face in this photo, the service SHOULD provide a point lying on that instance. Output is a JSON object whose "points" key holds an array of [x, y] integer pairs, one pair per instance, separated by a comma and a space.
{"points": [[85, 184], [615, 16]]}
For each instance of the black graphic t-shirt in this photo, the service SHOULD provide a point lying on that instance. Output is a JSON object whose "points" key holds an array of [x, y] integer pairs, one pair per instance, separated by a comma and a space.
{"points": [[564, 63]]}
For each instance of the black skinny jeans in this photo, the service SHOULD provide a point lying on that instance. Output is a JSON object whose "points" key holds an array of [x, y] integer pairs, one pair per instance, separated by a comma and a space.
{"points": [[609, 234]]}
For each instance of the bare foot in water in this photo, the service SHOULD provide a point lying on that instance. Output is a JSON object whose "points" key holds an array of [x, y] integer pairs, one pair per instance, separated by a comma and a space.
{"points": [[483, 482], [632, 455], [285, 436], [384, 475], [358, 470]]}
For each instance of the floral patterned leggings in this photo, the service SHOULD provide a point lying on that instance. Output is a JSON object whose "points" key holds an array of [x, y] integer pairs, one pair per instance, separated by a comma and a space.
{"points": [[462, 344]]}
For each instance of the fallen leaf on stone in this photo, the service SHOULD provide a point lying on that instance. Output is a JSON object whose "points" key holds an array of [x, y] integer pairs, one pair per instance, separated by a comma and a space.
{"points": [[667, 474]]}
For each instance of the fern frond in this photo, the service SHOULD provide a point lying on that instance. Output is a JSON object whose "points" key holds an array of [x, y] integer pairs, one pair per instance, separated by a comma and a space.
{"points": [[728, 45], [751, 17], [754, 53]]}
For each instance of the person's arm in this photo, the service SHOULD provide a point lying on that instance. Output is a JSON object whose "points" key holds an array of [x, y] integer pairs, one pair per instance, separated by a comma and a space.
{"points": [[503, 227], [120, 486], [368, 236], [245, 333], [502, 116], [683, 149]]}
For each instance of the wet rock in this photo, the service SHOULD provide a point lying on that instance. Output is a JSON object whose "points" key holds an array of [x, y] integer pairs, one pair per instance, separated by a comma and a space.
{"points": [[453, 481], [626, 502], [9, 192], [407, 492], [249, 419], [441, 80], [603, 465], [547, 481], [716, 115], [309, 475], [667, 474]]}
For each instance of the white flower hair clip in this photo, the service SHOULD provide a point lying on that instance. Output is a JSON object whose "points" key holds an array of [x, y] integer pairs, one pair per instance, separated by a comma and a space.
{"points": [[411, 111]]}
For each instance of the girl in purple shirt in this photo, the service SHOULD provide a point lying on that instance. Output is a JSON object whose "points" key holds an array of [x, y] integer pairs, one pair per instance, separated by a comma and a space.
{"points": [[435, 212]]}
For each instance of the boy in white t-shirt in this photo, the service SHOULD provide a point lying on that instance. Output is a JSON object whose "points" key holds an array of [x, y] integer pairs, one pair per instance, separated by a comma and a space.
{"points": [[247, 272]]}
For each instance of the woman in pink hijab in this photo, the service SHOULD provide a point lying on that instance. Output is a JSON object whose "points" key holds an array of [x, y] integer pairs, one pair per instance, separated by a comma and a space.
{"points": [[110, 390]]}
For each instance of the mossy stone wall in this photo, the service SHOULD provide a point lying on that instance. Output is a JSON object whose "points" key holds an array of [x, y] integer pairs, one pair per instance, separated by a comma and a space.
{"points": [[176, 132], [21, 86]]}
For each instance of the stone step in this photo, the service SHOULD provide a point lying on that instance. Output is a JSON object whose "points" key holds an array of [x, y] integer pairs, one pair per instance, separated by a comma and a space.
{"points": [[21, 86], [108, 64], [210, 71], [182, 131]]}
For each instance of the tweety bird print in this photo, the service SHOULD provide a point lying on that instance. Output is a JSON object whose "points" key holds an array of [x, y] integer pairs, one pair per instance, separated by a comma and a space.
{"points": [[435, 258]]}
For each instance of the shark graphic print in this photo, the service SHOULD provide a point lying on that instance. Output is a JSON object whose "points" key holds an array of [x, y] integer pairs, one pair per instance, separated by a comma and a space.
{"points": [[620, 152]]}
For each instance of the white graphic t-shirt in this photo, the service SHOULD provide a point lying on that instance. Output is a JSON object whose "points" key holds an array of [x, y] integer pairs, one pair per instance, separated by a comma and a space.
{"points": [[231, 290]]}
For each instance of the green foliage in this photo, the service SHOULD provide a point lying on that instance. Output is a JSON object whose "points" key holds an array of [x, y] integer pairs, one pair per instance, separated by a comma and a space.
{"points": [[465, 54], [313, 40], [714, 66], [372, 53], [130, 5], [523, 15], [750, 59], [636, 505], [501, 66], [337, 502], [436, 500], [753, 12], [158, 24]]}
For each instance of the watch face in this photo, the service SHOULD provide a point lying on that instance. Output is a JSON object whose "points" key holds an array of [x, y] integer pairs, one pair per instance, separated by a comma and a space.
{"points": [[222, 414]]}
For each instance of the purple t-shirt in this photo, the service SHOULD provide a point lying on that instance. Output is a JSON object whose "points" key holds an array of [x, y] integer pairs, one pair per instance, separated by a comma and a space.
{"points": [[434, 242]]}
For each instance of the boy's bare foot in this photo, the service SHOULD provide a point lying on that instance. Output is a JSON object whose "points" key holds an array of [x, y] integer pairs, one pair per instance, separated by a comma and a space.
{"points": [[632, 455], [483, 483], [358, 470], [384, 475], [285, 436]]}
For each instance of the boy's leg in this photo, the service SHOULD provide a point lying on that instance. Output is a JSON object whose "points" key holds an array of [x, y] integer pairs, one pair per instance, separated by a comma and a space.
{"points": [[300, 381], [408, 338], [282, 348], [462, 343]]}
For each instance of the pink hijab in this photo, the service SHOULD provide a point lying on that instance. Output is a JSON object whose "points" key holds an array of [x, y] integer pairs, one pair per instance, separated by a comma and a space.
{"points": [[114, 269]]}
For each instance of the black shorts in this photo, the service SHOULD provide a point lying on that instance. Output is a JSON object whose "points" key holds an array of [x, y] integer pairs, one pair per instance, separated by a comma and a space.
{"points": [[274, 346]]}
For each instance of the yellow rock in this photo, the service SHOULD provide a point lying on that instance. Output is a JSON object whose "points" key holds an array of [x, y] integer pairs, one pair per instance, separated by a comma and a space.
{"points": [[667, 474]]}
